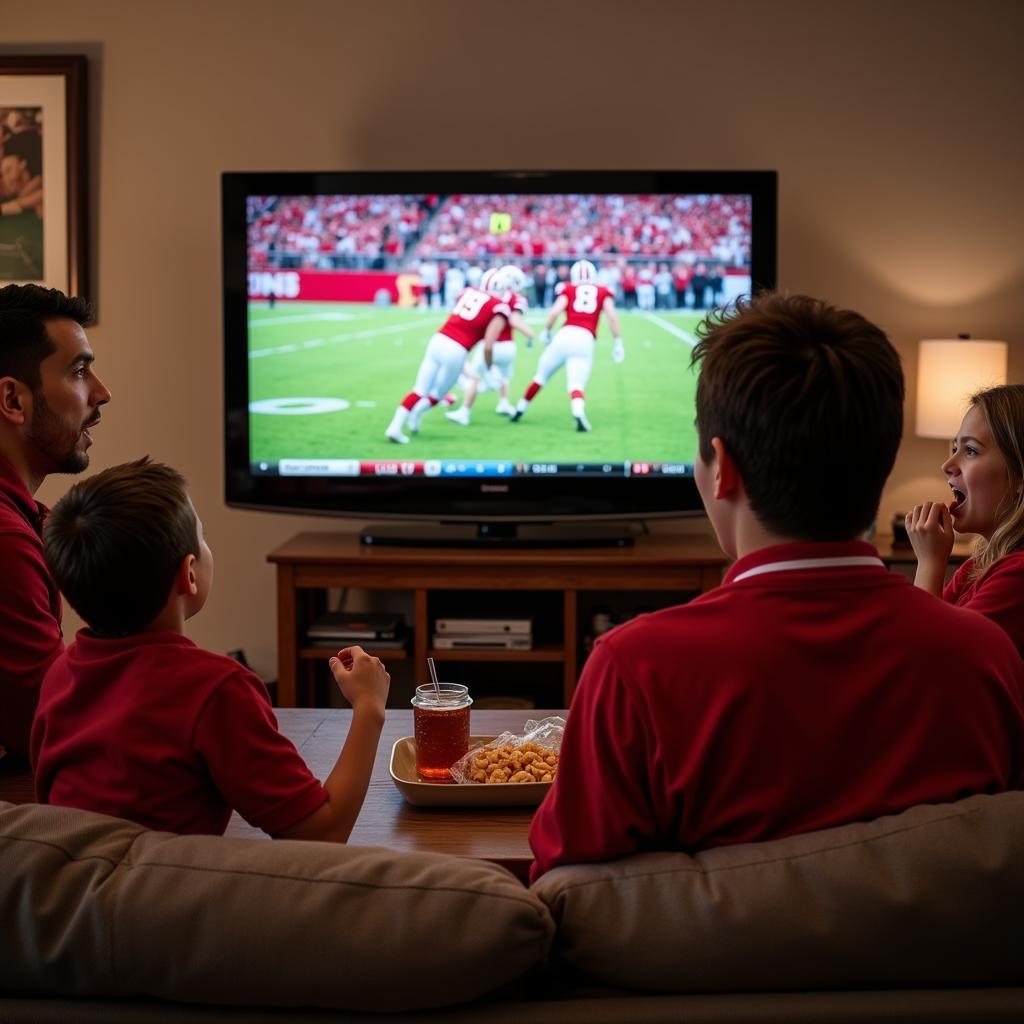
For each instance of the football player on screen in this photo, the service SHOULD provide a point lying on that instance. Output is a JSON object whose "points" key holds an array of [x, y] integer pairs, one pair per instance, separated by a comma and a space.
{"points": [[583, 301], [509, 282], [477, 316]]}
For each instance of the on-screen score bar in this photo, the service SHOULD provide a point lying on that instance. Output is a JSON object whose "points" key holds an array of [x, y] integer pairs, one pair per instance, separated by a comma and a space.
{"points": [[466, 468]]}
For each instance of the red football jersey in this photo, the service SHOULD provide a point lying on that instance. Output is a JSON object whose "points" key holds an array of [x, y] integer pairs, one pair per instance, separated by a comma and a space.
{"points": [[471, 315], [584, 305], [517, 304]]}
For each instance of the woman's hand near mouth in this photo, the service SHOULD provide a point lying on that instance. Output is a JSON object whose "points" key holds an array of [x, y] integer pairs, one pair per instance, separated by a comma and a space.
{"points": [[930, 529]]}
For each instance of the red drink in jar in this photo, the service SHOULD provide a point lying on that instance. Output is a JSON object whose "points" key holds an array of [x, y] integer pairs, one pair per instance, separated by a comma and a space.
{"points": [[441, 725]]}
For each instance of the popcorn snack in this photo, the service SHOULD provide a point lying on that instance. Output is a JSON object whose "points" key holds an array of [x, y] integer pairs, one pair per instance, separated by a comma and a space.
{"points": [[508, 763], [512, 759]]}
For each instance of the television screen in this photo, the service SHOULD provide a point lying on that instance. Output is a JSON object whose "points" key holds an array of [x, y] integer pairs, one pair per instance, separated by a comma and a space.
{"points": [[477, 345]]}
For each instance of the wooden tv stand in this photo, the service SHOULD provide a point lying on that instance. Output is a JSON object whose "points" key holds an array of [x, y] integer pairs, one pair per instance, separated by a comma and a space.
{"points": [[551, 580]]}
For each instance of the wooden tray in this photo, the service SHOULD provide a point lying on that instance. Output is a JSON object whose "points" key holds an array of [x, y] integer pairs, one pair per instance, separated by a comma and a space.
{"points": [[422, 793]]}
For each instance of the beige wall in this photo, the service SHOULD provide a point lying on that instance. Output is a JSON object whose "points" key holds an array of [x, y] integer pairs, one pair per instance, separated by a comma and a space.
{"points": [[895, 128]]}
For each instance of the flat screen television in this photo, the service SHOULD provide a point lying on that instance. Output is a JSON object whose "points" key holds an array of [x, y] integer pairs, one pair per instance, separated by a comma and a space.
{"points": [[361, 307]]}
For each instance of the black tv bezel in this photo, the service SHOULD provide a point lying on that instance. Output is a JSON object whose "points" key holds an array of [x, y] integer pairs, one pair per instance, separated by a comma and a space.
{"points": [[528, 498]]}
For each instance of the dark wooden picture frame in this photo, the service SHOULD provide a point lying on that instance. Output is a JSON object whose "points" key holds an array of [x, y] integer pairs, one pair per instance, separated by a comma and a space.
{"points": [[54, 88]]}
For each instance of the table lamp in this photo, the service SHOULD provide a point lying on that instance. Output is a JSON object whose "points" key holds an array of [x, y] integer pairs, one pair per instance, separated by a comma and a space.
{"points": [[948, 373]]}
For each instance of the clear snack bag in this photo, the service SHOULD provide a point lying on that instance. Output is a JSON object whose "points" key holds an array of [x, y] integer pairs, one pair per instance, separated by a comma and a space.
{"points": [[531, 756]]}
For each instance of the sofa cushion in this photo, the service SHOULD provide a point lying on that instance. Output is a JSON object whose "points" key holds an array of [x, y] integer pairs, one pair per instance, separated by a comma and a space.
{"points": [[104, 907], [927, 898]]}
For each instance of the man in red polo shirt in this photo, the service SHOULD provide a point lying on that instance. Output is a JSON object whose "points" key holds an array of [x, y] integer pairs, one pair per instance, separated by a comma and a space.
{"points": [[49, 401], [813, 688]]}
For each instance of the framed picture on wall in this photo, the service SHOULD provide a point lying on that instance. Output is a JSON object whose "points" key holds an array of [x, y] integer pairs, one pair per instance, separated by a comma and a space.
{"points": [[43, 159]]}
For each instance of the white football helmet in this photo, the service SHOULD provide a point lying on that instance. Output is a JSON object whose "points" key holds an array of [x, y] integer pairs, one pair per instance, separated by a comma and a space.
{"points": [[491, 282], [582, 271], [513, 279], [510, 279]]}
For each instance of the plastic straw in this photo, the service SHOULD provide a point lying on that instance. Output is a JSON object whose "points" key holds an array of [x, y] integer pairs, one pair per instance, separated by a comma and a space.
{"points": [[433, 677]]}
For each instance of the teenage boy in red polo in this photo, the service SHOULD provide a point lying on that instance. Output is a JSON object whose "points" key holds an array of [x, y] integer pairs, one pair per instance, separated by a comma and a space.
{"points": [[49, 401], [813, 688]]}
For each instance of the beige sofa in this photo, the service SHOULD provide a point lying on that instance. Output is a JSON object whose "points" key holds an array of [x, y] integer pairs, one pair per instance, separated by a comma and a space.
{"points": [[914, 916]]}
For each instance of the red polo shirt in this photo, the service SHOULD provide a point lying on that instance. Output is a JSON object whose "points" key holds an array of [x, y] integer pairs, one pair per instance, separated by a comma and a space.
{"points": [[30, 636], [151, 728], [998, 594], [781, 702]]}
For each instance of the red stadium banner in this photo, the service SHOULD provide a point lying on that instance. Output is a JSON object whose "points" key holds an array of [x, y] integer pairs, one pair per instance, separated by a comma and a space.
{"points": [[334, 286]]}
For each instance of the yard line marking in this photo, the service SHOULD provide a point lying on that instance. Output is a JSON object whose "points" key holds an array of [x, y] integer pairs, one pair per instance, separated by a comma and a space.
{"points": [[337, 338], [671, 328], [305, 318]]}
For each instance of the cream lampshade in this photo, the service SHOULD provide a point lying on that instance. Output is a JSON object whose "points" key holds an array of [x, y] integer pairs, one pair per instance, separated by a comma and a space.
{"points": [[948, 373]]}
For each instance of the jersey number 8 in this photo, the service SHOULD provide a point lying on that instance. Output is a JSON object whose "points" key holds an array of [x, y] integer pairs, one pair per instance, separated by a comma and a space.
{"points": [[585, 300]]}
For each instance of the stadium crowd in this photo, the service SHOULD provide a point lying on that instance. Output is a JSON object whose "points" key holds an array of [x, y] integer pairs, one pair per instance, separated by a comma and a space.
{"points": [[567, 226], [392, 232], [332, 231]]}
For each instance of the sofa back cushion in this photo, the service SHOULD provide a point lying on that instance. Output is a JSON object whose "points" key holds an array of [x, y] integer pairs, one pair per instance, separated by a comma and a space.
{"points": [[103, 907], [933, 897]]}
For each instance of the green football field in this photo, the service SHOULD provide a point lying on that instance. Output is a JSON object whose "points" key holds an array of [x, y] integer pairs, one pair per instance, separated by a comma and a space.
{"points": [[365, 358]]}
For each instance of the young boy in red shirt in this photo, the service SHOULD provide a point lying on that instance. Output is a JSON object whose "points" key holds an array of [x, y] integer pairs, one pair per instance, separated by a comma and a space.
{"points": [[136, 721], [813, 687]]}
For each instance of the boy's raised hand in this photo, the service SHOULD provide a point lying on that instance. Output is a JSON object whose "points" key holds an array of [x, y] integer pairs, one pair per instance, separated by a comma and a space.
{"points": [[363, 682], [361, 678]]}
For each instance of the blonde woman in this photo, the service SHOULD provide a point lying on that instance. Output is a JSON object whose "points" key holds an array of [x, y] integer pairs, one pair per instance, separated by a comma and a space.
{"points": [[985, 472]]}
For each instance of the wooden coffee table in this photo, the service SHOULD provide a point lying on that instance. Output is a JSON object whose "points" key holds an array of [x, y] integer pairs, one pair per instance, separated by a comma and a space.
{"points": [[497, 834]]}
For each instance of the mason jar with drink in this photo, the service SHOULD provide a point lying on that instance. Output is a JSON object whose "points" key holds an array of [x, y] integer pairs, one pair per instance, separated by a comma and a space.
{"points": [[440, 725]]}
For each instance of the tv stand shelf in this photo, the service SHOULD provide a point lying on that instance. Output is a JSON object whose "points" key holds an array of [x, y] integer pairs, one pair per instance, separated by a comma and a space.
{"points": [[310, 563]]}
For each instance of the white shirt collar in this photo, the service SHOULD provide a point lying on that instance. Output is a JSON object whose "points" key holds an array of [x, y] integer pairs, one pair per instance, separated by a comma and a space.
{"points": [[810, 563]]}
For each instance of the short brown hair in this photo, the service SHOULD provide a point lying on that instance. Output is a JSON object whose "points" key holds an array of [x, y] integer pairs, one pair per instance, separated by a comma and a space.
{"points": [[808, 401], [25, 310], [114, 542]]}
